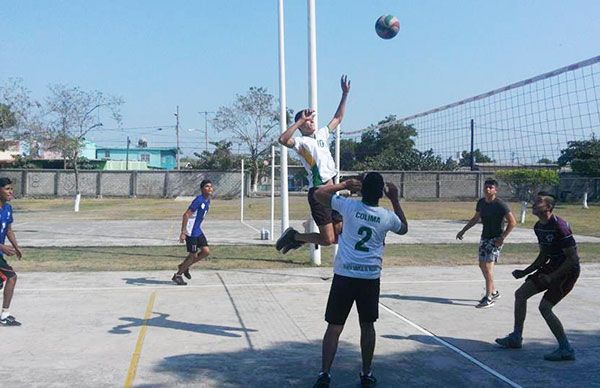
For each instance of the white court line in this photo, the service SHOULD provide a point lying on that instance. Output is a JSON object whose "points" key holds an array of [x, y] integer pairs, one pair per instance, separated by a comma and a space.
{"points": [[189, 286], [452, 347]]}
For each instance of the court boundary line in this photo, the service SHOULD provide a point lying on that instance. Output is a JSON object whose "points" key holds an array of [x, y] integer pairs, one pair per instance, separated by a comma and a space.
{"points": [[135, 357], [452, 347], [218, 285]]}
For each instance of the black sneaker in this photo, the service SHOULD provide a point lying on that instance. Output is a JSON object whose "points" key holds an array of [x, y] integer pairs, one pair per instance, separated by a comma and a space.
{"points": [[293, 245], [286, 238], [511, 341], [323, 380], [367, 381], [178, 280], [9, 321], [561, 354], [186, 273], [485, 303], [495, 295]]}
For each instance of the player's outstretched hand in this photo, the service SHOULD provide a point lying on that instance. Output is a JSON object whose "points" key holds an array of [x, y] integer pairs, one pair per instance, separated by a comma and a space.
{"points": [[459, 235], [345, 84], [390, 190], [182, 237], [307, 114], [7, 250], [518, 273], [353, 185], [18, 253]]}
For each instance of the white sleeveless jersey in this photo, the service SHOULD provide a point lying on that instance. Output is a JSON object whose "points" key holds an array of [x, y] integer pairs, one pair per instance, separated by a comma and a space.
{"points": [[360, 251], [315, 157]]}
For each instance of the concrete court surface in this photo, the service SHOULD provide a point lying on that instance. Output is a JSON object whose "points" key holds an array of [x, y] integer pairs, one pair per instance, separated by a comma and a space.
{"points": [[244, 328], [46, 232]]}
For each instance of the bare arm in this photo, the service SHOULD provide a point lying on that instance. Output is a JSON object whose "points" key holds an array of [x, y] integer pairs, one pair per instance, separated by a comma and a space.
{"points": [[391, 191], [511, 222], [286, 138], [10, 234], [339, 113], [472, 222], [537, 263], [571, 261], [184, 221], [326, 192]]}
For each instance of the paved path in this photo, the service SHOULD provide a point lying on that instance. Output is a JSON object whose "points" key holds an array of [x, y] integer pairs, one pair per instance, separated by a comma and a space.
{"points": [[42, 233]]}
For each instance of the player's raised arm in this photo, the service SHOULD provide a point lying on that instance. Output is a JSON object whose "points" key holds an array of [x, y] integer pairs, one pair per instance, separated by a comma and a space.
{"points": [[286, 138], [326, 192], [339, 113], [391, 191]]}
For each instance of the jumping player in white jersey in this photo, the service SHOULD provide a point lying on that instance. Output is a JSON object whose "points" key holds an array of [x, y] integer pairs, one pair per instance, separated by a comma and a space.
{"points": [[192, 234], [313, 149], [357, 265]]}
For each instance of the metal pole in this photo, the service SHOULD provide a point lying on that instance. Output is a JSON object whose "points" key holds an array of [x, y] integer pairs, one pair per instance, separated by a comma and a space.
{"points": [[338, 133], [242, 194], [283, 151], [315, 250], [272, 191], [206, 128], [177, 134], [472, 145], [127, 155]]}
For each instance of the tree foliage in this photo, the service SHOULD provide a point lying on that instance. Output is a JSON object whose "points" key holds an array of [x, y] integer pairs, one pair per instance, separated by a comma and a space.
{"points": [[583, 156], [221, 159], [251, 119], [465, 158], [526, 183]]}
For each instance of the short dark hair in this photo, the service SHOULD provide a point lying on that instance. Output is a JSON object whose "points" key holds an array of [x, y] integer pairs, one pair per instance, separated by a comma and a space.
{"points": [[298, 115], [5, 181], [490, 181], [548, 198], [205, 182], [372, 187]]}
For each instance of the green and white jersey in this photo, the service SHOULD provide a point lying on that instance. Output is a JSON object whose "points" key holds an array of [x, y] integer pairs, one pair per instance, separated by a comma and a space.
{"points": [[360, 251], [315, 157]]}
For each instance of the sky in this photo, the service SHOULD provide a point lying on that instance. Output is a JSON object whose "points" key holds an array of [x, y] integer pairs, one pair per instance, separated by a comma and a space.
{"points": [[200, 54]]}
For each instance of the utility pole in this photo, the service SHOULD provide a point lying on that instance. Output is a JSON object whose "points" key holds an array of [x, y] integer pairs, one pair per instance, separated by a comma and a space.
{"points": [[206, 128], [127, 155], [177, 134]]}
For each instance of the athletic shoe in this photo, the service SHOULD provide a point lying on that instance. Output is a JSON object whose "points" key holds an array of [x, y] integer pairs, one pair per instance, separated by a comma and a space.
{"points": [[186, 273], [367, 381], [323, 380], [293, 245], [286, 238], [511, 341], [9, 321], [561, 354], [485, 302], [178, 280], [495, 295]]}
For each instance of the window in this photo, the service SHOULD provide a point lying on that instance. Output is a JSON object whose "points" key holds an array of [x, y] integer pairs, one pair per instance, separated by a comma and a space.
{"points": [[145, 157], [106, 154]]}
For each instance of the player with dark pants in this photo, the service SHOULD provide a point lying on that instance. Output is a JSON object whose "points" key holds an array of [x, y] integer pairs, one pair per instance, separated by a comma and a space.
{"points": [[555, 271], [313, 149], [357, 266], [8, 277], [192, 234]]}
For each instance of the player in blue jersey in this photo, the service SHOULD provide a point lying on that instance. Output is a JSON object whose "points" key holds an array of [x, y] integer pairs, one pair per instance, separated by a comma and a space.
{"points": [[555, 271], [357, 265], [8, 277], [192, 234]]}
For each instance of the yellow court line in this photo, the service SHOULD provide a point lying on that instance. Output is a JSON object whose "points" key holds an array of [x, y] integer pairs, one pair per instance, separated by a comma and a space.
{"points": [[135, 357]]}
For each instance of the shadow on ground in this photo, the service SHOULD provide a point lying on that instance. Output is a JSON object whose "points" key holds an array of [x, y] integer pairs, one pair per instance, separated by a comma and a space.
{"points": [[431, 299], [145, 281]]}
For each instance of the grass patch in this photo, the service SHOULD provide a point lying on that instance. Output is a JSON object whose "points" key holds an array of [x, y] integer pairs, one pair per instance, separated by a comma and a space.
{"points": [[225, 257]]}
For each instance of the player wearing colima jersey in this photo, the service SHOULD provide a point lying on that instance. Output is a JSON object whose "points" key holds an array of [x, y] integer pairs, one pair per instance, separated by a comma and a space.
{"points": [[357, 265]]}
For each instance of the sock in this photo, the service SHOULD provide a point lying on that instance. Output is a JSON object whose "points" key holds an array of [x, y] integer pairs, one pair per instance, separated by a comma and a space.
{"points": [[5, 313]]}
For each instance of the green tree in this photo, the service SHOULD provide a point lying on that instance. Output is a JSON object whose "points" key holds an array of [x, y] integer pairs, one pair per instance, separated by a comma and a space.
{"points": [[465, 158], [583, 156], [252, 119], [220, 159]]}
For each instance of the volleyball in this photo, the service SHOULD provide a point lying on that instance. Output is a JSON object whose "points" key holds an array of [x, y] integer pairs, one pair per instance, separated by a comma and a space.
{"points": [[387, 26]]}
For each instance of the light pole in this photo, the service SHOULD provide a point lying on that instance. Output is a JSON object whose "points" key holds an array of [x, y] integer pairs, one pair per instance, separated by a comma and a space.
{"points": [[206, 128], [127, 155], [177, 134]]}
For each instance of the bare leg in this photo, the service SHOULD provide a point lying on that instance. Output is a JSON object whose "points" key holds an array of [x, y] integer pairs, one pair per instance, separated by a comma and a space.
{"points": [[192, 258], [326, 236], [330, 344], [487, 269], [554, 323], [9, 288], [367, 345], [526, 291]]}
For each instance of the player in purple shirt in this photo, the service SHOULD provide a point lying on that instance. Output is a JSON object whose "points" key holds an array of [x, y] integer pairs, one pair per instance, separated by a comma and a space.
{"points": [[192, 234], [8, 277], [555, 271]]}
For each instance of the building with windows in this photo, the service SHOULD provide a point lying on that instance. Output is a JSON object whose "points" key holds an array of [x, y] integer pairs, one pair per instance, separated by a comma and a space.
{"points": [[160, 158]]}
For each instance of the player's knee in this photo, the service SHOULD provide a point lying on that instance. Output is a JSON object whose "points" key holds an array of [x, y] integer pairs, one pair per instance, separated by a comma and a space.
{"points": [[545, 308], [520, 296], [328, 240], [205, 251]]}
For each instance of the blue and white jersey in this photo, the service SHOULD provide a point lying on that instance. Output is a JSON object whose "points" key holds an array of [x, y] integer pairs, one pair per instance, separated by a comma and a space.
{"points": [[199, 207], [6, 218], [360, 251]]}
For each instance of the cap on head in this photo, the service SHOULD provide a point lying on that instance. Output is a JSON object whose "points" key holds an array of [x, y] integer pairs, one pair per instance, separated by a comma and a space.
{"points": [[372, 187]]}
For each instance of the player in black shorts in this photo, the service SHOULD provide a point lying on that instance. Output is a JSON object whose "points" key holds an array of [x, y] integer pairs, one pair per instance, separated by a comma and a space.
{"points": [[555, 271]]}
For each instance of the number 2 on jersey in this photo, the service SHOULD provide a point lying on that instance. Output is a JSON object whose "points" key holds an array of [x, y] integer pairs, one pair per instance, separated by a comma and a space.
{"points": [[368, 232]]}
